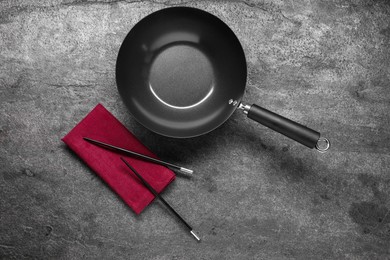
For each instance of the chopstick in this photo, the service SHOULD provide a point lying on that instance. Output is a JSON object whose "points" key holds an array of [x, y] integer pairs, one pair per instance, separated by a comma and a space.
{"points": [[155, 193], [138, 155]]}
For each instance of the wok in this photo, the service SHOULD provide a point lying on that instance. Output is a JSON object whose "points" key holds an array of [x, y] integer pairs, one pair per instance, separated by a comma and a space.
{"points": [[181, 72]]}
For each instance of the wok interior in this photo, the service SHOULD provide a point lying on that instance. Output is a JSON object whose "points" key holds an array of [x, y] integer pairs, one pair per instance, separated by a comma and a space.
{"points": [[178, 68]]}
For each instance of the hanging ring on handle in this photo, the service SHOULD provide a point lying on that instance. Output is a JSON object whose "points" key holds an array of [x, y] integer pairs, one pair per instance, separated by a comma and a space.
{"points": [[322, 145]]}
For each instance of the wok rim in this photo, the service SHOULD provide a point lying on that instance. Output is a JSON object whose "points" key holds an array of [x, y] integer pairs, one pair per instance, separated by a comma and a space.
{"points": [[225, 116]]}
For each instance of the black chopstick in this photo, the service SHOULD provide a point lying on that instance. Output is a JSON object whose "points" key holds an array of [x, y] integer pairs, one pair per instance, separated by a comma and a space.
{"points": [[138, 155], [155, 193]]}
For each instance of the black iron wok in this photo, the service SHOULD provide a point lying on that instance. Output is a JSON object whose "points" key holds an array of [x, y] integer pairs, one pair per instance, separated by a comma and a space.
{"points": [[182, 73]]}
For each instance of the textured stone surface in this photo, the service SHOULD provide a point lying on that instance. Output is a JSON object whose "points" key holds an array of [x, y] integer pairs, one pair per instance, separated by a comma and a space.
{"points": [[255, 194]]}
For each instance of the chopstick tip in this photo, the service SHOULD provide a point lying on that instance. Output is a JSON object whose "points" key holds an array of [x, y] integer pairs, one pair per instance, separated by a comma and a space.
{"points": [[195, 235], [185, 170]]}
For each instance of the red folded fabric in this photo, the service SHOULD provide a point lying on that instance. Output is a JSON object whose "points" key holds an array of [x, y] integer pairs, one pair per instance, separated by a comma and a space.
{"points": [[101, 125]]}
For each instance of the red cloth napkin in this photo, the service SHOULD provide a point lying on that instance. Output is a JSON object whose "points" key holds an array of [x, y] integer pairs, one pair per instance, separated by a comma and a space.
{"points": [[101, 125]]}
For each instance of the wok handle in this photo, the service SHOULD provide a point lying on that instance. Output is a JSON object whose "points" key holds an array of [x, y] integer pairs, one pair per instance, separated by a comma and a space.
{"points": [[287, 127]]}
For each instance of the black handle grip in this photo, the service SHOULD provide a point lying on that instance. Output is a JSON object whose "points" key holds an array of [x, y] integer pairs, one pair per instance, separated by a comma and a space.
{"points": [[287, 127]]}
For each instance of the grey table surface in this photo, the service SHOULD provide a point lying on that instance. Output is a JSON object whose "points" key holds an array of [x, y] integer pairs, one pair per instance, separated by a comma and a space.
{"points": [[255, 194]]}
